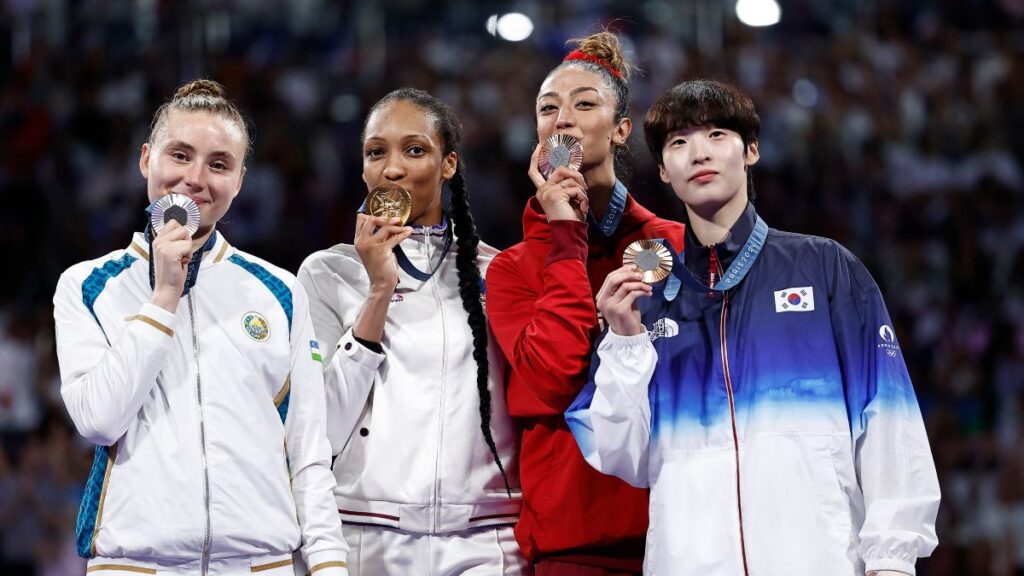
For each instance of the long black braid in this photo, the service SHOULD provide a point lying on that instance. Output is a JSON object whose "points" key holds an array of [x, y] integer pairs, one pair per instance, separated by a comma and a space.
{"points": [[466, 240]]}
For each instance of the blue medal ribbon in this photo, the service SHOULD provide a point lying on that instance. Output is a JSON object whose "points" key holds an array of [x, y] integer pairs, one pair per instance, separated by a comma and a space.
{"points": [[613, 215], [733, 275], [411, 270]]}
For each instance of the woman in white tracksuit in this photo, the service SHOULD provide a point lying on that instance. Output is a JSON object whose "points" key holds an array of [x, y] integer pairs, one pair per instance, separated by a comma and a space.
{"points": [[188, 362], [425, 450]]}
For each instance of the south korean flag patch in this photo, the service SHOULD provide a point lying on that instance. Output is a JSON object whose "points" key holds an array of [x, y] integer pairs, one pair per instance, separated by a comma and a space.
{"points": [[795, 299]]}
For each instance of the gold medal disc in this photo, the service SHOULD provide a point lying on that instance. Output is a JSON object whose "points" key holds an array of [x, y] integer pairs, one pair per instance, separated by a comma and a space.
{"points": [[389, 202], [652, 258], [560, 150]]}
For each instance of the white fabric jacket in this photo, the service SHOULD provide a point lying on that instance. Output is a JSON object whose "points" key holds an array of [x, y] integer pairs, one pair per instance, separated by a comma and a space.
{"points": [[407, 422], [210, 423]]}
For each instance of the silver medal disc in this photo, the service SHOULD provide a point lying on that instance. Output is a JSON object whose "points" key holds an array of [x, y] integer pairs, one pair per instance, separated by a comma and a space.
{"points": [[174, 207]]}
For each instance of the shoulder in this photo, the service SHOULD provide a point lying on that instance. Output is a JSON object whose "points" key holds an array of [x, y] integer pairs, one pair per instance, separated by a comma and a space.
{"points": [[260, 268], [340, 260], [833, 259], [108, 266]]}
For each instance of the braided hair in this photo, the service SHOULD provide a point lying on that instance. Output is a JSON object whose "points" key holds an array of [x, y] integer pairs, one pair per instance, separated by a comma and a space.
{"points": [[466, 240]]}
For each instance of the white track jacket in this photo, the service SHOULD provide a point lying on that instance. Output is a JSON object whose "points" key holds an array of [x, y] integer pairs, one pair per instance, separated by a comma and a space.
{"points": [[407, 422], [212, 451]]}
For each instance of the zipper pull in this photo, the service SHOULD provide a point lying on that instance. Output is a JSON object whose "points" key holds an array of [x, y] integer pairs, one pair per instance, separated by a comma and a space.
{"points": [[712, 271]]}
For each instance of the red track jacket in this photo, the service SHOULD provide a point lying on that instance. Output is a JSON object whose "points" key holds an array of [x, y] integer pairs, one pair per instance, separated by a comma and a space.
{"points": [[540, 302]]}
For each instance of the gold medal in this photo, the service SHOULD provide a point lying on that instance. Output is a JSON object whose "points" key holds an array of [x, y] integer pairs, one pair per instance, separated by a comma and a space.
{"points": [[174, 207], [560, 150], [389, 202], [652, 258]]}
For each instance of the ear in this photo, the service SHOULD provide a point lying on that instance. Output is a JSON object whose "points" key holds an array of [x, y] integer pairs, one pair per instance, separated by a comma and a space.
{"points": [[144, 161], [752, 155], [241, 178], [449, 165], [664, 174], [622, 132]]}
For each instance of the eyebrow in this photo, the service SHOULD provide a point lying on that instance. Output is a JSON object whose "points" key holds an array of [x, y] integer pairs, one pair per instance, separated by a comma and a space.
{"points": [[191, 148], [574, 92], [413, 136]]}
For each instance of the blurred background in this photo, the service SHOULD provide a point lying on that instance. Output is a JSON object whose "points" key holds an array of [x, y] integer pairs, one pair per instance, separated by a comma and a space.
{"points": [[896, 127]]}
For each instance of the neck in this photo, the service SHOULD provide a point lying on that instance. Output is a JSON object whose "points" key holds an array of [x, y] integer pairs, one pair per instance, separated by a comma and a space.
{"points": [[431, 216], [199, 240], [711, 226], [600, 183]]}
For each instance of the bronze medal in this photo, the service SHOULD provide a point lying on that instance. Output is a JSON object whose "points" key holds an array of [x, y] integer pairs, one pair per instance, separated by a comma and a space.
{"points": [[652, 258], [389, 202], [560, 150]]}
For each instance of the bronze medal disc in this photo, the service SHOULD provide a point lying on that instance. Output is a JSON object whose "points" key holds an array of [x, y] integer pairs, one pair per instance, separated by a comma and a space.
{"points": [[652, 258], [390, 202], [559, 150]]}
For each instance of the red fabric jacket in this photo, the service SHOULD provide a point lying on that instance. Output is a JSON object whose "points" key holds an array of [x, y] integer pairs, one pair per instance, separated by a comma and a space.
{"points": [[540, 302]]}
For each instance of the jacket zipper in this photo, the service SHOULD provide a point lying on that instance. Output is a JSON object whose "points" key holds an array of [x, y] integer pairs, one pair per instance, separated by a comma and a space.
{"points": [[714, 273], [204, 564], [441, 407]]}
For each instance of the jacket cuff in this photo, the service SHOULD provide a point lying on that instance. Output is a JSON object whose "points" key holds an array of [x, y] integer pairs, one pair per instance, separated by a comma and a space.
{"points": [[156, 317], [327, 563], [350, 347], [897, 564], [613, 341], [568, 241]]}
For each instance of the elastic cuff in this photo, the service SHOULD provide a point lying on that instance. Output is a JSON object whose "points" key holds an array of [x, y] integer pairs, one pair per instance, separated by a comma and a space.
{"points": [[374, 346], [156, 317], [897, 564], [613, 341], [358, 353], [568, 241], [327, 563]]}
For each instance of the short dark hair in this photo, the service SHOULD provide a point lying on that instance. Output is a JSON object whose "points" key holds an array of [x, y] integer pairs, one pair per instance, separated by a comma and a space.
{"points": [[700, 103]]}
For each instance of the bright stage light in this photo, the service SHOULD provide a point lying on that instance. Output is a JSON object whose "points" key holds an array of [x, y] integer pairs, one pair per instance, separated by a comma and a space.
{"points": [[758, 12], [513, 26]]}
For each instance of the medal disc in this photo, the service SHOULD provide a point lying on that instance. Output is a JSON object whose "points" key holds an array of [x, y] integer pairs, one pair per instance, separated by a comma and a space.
{"points": [[560, 150], [174, 207], [389, 202], [652, 258]]}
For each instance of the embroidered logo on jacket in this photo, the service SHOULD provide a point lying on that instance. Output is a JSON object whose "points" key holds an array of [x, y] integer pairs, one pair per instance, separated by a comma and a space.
{"points": [[795, 299], [256, 326], [663, 328], [888, 336]]}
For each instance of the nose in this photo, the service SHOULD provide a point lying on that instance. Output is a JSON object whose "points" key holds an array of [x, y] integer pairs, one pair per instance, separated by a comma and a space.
{"points": [[394, 169], [566, 118], [195, 176], [700, 150]]}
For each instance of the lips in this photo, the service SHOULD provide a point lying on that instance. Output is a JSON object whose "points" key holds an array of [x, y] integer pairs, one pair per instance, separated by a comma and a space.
{"points": [[704, 176]]}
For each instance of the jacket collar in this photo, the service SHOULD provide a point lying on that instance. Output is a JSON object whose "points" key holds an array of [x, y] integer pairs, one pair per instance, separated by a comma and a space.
{"points": [[634, 216], [697, 256]]}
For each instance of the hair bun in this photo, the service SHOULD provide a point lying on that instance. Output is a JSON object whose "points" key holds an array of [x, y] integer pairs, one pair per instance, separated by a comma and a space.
{"points": [[607, 47], [201, 87]]}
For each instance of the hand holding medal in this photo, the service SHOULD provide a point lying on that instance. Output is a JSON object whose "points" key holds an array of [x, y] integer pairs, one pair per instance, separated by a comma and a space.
{"points": [[173, 219], [380, 227], [554, 170]]}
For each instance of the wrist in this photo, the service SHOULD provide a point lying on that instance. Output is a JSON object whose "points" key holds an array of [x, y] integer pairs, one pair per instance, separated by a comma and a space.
{"points": [[167, 299]]}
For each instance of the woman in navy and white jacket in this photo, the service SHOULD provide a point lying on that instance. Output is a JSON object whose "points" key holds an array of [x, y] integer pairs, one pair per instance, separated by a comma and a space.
{"points": [[426, 451]]}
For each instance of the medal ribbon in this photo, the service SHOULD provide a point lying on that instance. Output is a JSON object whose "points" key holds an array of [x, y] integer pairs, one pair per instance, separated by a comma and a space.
{"points": [[613, 215], [193, 264], [732, 277], [411, 270]]}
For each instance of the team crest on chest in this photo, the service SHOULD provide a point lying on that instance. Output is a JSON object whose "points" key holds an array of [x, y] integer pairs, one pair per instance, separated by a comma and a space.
{"points": [[256, 326]]}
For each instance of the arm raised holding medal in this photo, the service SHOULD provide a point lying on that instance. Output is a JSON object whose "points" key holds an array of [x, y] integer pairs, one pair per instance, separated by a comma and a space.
{"points": [[376, 238]]}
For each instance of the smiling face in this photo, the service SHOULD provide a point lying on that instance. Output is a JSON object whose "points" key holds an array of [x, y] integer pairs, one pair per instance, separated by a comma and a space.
{"points": [[403, 146], [577, 102], [200, 155], [707, 167]]}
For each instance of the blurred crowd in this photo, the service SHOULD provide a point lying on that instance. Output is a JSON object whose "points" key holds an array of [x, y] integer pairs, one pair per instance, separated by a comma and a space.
{"points": [[895, 127]]}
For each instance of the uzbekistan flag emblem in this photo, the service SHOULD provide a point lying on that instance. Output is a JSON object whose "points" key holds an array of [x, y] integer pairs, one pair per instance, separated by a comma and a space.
{"points": [[314, 351]]}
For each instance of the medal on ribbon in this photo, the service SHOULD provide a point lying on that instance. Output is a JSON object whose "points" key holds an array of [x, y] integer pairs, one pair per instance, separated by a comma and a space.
{"points": [[557, 151], [389, 201], [176, 207], [652, 258]]}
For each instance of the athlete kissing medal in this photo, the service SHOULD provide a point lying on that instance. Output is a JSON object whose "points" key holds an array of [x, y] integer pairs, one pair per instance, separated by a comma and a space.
{"points": [[390, 202], [652, 258], [560, 150], [174, 207]]}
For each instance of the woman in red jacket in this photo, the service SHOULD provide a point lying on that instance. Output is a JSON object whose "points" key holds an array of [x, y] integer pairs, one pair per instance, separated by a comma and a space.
{"points": [[540, 302]]}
